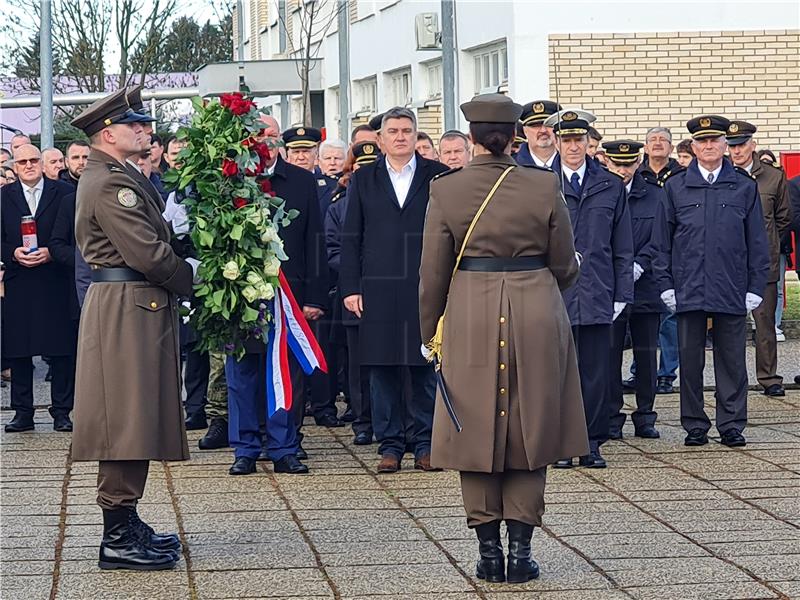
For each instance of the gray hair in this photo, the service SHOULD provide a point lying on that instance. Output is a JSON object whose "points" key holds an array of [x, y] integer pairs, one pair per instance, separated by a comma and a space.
{"points": [[664, 130], [454, 134], [336, 144], [399, 112]]}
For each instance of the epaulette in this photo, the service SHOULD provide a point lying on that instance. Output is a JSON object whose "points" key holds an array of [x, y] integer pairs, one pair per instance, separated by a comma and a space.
{"points": [[115, 168], [443, 173], [338, 195], [744, 172], [668, 175], [532, 166]]}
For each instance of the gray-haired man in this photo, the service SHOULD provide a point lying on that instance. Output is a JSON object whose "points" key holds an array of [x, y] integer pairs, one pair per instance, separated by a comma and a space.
{"points": [[658, 163]]}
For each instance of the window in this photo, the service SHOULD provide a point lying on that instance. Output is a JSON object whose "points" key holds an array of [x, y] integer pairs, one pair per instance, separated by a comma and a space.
{"points": [[433, 72], [399, 87], [366, 91], [491, 68]]}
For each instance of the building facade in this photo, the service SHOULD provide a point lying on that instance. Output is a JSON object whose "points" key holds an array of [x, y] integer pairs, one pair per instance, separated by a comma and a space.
{"points": [[634, 64]]}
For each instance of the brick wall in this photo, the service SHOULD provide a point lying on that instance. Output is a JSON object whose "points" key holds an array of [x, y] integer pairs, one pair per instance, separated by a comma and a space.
{"points": [[429, 120], [635, 81]]}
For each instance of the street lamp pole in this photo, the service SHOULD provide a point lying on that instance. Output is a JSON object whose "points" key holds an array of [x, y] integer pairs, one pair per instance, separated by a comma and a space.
{"points": [[448, 65], [46, 74]]}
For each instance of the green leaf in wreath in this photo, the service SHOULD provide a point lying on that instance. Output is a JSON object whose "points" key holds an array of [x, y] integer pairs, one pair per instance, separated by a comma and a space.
{"points": [[217, 297], [206, 239], [236, 232], [293, 212], [249, 315]]}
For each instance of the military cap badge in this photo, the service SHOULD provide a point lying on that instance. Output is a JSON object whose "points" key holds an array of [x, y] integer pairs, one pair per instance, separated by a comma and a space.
{"points": [[733, 128], [369, 149], [301, 131], [127, 197], [538, 107], [569, 116], [624, 148], [705, 122]]}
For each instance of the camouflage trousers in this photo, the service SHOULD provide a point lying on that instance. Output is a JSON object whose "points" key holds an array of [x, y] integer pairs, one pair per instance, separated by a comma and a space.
{"points": [[217, 403]]}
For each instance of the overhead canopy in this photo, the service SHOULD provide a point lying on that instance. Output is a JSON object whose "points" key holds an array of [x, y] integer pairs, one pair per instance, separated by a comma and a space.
{"points": [[262, 77]]}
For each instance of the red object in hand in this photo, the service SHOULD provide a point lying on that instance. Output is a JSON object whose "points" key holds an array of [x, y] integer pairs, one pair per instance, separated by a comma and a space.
{"points": [[237, 103], [30, 241]]}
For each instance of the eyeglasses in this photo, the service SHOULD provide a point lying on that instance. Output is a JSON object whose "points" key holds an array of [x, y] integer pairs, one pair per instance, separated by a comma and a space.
{"points": [[24, 161]]}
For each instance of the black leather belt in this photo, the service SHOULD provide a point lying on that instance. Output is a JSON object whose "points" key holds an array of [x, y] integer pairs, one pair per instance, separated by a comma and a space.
{"points": [[500, 264], [116, 275]]}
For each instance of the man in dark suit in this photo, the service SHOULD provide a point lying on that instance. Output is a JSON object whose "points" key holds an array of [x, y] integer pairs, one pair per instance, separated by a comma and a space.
{"points": [[36, 306], [381, 250], [306, 273]]}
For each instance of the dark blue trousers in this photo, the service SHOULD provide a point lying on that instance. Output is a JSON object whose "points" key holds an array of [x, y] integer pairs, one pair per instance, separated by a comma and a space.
{"points": [[388, 410], [247, 400]]}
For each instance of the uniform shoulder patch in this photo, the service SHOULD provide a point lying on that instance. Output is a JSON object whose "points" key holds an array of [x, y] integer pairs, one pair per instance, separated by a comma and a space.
{"points": [[445, 173], [744, 172], [127, 197], [322, 183]]}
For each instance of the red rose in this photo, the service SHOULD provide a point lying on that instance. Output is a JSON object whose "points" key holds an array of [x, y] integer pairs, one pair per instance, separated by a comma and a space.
{"points": [[248, 142], [237, 103], [239, 202], [229, 168], [266, 187]]}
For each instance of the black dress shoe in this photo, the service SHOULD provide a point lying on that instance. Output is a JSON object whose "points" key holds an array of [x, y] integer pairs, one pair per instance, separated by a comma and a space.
{"points": [[615, 434], [733, 439], [776, 389], [289, 464], [18, 424], [362, 438], [329, 421], [593, 460], [348, 416], [648, 432], [244, 465], [62, 423], [196, 421], [216, 436], [696, 437], [664, 386], [797, 379], [301, 454], [564, 463]]}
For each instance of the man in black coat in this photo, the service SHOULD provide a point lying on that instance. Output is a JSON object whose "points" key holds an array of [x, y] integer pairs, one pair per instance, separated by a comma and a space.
{"points": [[794, 199], [36, 311], [381, 251]]}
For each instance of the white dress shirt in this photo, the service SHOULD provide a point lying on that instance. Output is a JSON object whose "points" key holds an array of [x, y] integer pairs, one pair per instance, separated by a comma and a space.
{"points": [[628, 186], [548, 163], [705, 172], [749, 168], [401, 180], [581, 171], [33, 194]]}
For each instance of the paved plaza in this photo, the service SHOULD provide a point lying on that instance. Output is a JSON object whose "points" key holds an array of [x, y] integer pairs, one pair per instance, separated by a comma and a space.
{"points": [[663, 521]]}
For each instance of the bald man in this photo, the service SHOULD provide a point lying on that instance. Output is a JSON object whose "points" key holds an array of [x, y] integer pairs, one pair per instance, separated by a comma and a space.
{"points": [[52, 162]]}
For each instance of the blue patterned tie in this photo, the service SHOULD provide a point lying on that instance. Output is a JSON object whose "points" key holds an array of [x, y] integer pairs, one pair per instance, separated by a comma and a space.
{"points": [[575, 182], [710, 178]]}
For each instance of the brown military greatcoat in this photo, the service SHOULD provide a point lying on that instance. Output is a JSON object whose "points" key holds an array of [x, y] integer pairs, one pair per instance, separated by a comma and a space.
{"points": [[128, 383], [775, 204], [509, 360]]}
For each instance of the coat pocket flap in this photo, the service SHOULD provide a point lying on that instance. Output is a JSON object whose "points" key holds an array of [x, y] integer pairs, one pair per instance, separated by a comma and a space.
{"points": [[150, 298]]}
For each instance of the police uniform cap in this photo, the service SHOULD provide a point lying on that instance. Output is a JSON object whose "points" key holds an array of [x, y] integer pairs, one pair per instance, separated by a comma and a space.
{"points": [[302, 137], [109, 110], [571, 123], [537, 111], [376, 122], [739, 132], [365, 153], [707, 126], [491, 108], [623, 152], [582, 114]]}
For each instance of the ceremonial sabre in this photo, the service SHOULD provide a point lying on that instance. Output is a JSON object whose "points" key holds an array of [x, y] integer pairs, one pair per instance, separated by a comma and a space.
{"points": [[445, 397]]}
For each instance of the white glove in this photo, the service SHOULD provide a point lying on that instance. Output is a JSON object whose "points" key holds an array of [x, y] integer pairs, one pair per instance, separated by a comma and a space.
{"points": [[195, 264], [618, 308], [175, 214], [751, 301], [668, 298], [579, 258], [637, 271], [426, 354]]}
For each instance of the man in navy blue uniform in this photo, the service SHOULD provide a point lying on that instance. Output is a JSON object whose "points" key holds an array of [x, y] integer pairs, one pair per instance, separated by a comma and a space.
{"points": [[715, 264], [379, 275], [645, 201], [540, 149], [603, 238]]}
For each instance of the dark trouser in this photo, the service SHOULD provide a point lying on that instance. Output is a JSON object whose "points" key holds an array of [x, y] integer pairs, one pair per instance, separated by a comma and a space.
{"points": [[120, 483], [644, 337], [515, 495], [298, 409], [593, 346], [196, 380], [247, 399], [730, 370], [766, 344], [62, 387], [388, 414], [358, 378], [323, 385]]}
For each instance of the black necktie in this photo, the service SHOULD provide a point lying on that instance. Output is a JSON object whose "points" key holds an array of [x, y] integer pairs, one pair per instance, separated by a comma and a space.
{"points": [[575, 182]]}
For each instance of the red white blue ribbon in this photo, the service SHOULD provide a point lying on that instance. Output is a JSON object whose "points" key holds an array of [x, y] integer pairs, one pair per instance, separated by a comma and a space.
{"points": [[289, 330]]}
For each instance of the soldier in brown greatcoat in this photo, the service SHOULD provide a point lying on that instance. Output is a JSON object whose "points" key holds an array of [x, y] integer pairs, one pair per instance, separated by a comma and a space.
{"points": [[128, 397], [508, 359]]}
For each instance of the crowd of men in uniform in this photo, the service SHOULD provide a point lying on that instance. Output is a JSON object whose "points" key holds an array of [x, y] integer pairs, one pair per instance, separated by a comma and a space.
{"points": [[673, 251]]}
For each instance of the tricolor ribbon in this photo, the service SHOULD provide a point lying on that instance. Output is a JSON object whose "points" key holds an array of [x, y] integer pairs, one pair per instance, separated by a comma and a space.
{"points": [[289, 331]]}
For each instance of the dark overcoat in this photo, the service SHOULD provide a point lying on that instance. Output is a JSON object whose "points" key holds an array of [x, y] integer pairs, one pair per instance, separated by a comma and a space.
{"points": [[381, 249], [645, 202], [36, 309], [715, 242]]}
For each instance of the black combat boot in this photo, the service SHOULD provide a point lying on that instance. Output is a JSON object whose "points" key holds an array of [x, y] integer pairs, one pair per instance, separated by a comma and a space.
{"points": [[167, 542], [216, 436], [122, 547], [521, 567], [491, 565]]}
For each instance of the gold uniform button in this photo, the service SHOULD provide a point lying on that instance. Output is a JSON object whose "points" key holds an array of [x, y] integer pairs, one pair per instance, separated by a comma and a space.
{"points": [[153, 305], [502, 413], [502, 319], [502, 343], [502, 390], [502, 366]]}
